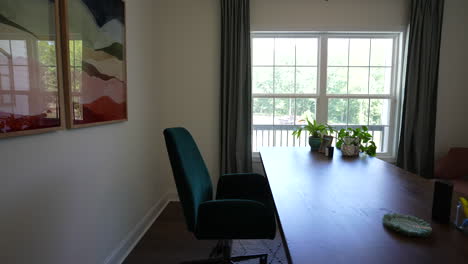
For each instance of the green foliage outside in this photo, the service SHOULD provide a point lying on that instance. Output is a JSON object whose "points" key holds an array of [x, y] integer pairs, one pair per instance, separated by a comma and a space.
{"points": [[340, 111]]}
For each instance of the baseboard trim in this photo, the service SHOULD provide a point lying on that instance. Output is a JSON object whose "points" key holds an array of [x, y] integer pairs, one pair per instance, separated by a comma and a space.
{"points": [[124, 248], [172, 196]]}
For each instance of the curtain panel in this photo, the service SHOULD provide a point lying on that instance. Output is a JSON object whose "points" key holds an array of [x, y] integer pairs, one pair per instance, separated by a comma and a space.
{"points": [[236, 90], [417, 136]]}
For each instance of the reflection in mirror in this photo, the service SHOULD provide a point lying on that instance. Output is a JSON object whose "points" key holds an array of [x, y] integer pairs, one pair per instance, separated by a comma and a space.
{"points": [[29, 97], [76, 68]]}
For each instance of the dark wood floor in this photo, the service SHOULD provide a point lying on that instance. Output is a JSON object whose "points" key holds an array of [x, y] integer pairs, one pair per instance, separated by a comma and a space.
{"points": [[167, 241]]}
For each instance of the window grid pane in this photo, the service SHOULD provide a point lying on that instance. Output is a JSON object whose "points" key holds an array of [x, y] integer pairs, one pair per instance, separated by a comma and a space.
{"points": [[262, 79], [362, 60], [292, 62], [274, 120]]}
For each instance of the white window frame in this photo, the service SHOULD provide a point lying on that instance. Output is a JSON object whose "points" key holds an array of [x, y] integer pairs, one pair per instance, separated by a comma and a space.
{"points": [[322, 70]]}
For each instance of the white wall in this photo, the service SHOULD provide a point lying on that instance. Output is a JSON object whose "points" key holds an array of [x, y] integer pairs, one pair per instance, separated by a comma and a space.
{"points": [[452, 107], [188, 62], [72, 196], [341, 15]]}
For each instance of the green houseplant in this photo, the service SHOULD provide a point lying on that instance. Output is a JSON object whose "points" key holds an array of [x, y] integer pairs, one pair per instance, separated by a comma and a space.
{"points": [[316, 132], [352, 141]]}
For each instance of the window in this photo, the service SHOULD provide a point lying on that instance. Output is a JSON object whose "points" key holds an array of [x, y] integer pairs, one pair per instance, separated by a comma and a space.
{"points": [[345, 80]]}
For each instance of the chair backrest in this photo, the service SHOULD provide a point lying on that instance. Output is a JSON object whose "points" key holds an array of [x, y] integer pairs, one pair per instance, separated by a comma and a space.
{"points": [[190, 173]]}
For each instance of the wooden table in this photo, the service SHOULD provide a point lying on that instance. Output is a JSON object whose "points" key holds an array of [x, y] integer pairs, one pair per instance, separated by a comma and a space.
{"points": [[330, 211]]}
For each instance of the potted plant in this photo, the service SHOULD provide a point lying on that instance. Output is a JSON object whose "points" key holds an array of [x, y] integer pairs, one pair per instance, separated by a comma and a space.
{"points": [[316, 132], [352, 141]]}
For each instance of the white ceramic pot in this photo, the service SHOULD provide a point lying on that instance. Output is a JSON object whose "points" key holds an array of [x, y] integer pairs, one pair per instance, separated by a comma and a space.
{"points": [[349, 150]]}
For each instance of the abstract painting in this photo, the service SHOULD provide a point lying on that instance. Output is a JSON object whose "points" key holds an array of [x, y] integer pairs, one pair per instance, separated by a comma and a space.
{"points": [[97, 75], [30, 90]]}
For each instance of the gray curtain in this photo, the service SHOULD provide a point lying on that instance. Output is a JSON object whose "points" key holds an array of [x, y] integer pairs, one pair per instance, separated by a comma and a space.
{"points": [[236, 90], [417, 136]]}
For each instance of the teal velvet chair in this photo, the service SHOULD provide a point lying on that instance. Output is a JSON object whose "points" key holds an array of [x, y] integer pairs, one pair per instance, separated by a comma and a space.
{"points": [[243, 208]]}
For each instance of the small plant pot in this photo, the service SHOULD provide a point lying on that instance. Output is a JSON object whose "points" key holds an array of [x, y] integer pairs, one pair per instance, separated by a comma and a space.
{"points": [[350, 150], [314, 143]]}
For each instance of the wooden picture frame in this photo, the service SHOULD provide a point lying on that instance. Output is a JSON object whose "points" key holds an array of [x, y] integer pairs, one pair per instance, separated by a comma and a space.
{"points": [[36, 95], [101, 96], [326, 142]]}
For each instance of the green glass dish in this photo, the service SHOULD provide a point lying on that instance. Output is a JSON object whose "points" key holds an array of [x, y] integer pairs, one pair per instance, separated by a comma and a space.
{"points": [[407, 225]]}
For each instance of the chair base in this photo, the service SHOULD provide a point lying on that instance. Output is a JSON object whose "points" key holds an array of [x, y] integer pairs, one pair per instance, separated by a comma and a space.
{"points": [[263, 259], [224, 247]]}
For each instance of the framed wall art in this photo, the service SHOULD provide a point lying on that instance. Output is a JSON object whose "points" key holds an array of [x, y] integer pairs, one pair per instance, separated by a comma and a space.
{"points": [[30, 68], [95, 86], [61, 62]]}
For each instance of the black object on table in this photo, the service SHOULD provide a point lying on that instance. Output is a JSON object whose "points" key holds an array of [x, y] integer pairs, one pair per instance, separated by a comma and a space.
{"points": [[442, 202], [330, 152]]}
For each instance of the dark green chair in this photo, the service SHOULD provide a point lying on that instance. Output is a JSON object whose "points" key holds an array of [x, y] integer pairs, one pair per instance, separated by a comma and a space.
{"points": [[243, 208]]}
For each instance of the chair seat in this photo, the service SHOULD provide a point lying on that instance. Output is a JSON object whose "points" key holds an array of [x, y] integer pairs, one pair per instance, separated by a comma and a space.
{"points": [[243, 209], [235, 219], [249, 186]]}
